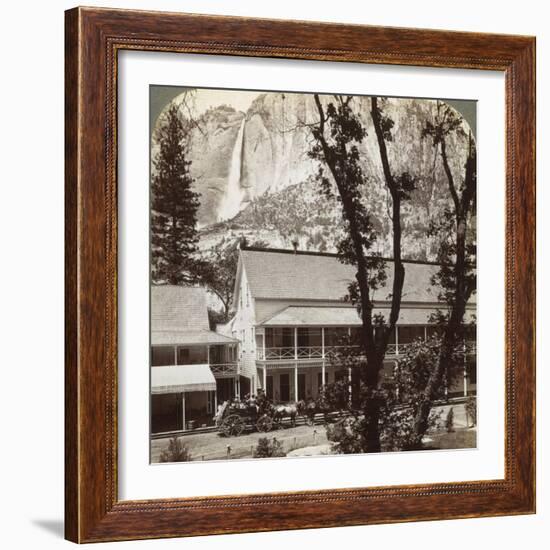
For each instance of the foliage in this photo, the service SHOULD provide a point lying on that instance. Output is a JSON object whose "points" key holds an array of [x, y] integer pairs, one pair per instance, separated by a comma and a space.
{"points": [[471, 410], [336, 146], [400, 398], [456, 275], [173, 204], [218, 270], [267, 448], [215, 317], [175, 452]]}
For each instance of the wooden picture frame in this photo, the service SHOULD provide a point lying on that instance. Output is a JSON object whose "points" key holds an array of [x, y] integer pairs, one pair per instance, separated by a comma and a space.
{"points": [[93, 511]]}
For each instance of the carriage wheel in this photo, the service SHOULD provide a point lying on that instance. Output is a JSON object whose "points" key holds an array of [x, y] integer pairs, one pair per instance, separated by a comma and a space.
{"points": [[264, 424], [233, 425]]}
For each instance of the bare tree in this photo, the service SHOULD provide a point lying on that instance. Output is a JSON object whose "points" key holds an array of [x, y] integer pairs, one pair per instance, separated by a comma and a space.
{"points": [[457, 251], [337, 136]]}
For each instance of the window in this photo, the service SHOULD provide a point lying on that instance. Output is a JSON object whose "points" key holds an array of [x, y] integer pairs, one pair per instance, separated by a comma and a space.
{"points": [[279, 337], [193, 355], [309, 337], [162, 356]]}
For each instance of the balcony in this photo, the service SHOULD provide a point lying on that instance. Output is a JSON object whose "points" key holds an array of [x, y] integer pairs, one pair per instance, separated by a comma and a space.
{"points": [[330, 352], [222, 370], [300, 353]]}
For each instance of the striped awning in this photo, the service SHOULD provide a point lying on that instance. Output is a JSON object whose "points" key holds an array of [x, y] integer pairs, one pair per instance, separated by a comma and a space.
{"points": [[182, 378]]}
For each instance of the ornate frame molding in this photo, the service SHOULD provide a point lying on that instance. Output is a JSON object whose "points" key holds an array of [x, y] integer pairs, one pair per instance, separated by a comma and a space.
{"points": [[93, 39]]}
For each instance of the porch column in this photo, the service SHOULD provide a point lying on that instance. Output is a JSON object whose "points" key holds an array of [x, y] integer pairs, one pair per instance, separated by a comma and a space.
{"points": [[183, 408], [295, 342], [349, 384], [265, 379], [323, 373], [296, 382], [396, 342], [323, 350]]}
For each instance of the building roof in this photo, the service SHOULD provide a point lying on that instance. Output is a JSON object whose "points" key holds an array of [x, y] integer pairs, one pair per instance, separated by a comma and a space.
{"points": [[324, 316], [188, 338], [282, 275], [178, 308], [179, 316]]}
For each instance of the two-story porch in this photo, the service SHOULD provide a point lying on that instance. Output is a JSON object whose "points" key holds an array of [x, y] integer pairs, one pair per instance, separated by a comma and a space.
{"points": [[189, 378], [294, 362]]}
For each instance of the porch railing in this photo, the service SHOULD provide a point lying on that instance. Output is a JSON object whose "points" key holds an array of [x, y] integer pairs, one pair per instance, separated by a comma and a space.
{"points": [[224, 369], [317, 352]]}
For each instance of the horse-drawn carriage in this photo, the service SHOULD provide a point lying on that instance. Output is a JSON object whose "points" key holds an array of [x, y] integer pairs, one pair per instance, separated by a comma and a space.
{"points": [[259, 414], [234, 417]]}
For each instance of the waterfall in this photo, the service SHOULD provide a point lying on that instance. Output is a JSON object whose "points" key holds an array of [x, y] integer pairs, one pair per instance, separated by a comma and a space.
{"points": [[231, 203]]}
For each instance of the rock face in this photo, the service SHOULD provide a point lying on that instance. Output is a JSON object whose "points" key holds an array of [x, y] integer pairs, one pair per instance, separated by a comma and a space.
{"points": [[255, 177], [211, 149]]}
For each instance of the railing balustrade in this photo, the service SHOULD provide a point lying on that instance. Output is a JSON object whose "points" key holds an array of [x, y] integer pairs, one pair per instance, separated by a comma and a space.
{"points": [[224, 368], [316, 352]]}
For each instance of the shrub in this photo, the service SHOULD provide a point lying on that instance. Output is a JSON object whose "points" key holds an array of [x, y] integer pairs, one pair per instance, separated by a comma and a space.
{"points": [[471, 410], [450, 421], [268, 449], [175, 452]]}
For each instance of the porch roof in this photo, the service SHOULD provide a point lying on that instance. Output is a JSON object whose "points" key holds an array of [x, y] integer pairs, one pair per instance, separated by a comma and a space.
{"points": [[188, 337], [177, 379], [345, 316]]}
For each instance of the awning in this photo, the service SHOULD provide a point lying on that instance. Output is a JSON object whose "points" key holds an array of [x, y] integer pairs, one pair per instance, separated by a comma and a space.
{"points": [[178, 379]]}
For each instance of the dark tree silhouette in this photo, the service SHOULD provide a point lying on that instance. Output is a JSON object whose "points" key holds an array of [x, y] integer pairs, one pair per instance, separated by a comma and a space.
{"points": [[218, 270], [173, 204], [457, 253], [337, 136]]}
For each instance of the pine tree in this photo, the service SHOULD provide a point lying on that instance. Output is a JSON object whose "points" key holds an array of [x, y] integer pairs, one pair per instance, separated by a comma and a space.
{"points": [[174, 205]]}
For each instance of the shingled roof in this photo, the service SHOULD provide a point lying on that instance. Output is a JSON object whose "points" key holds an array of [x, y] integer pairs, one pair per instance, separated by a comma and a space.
{"points": [[285, 275], [179, 316], [176, 308]]}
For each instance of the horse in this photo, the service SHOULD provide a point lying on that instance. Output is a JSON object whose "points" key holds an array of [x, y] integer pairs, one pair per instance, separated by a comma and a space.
{"points": [[285, 410]]}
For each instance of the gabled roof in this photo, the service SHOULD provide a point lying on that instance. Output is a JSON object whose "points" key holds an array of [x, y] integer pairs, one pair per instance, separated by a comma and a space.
{"points": [[176, 308], [179, 316], [286, 275]]}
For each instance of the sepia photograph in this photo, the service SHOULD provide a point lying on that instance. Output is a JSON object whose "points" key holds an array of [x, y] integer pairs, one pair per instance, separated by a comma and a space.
{"points": [[312, 274]]}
